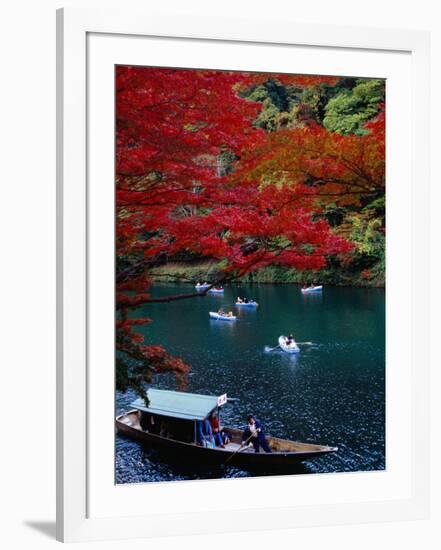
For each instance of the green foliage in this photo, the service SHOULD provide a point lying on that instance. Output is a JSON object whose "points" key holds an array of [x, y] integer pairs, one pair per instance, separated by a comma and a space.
{"points": [[349, 110], [344, 107], [377, 207], [334, 214], [368, 238], [268, 117], [278, 102], [226, 161], [368, 257], [130, 375]]}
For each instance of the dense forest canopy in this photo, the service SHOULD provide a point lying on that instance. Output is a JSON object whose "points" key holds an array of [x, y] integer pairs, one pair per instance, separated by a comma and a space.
{"points": [[247, 171]]}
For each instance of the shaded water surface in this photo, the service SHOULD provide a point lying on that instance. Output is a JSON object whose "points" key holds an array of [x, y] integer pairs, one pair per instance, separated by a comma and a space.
{"points": [[332, 392]]}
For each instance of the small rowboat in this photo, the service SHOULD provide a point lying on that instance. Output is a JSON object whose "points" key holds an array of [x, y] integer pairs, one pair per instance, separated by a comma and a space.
{"points": [[252, 303], [216, 291], [312, 289], [169, 423], [201, 287], [289, 348], [215, 315]]}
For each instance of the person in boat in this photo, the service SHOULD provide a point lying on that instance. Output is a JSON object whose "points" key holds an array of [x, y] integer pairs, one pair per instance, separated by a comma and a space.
{"points": [[215, 428], [239, 300], [205, 433], [289, 340], [230, 314], [245, 300], [166, 429], [149, 424], [221, 312], [304, 287], [255, 434], [226, 436]]}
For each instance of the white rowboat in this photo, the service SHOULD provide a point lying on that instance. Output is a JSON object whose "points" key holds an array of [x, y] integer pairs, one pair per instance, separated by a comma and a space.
{"points": [[288, 348], [215, 315], [312, 289]]}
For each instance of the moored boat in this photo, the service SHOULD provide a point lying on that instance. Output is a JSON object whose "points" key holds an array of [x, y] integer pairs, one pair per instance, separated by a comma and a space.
{"points": [[221, 317], [291, 347], [309, 289], [169, 423]]}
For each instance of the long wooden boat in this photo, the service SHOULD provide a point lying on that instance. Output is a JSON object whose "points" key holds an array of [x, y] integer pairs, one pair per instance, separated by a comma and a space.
{"points": [[168, 423]]}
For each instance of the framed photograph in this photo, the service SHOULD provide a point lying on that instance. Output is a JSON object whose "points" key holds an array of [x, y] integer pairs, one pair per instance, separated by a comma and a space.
{"points": [[242, 256]]}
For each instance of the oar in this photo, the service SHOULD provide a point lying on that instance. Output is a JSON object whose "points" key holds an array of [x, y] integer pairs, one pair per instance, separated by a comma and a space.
{"points": [[272, 349], [299, 343], [239, 449]]}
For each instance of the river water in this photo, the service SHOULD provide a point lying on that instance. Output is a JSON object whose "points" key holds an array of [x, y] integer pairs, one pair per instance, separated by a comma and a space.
{"points": [[332, 392]]}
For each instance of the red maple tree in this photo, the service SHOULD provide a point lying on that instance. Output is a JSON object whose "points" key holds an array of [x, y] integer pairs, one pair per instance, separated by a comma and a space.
{"points": [[174, 195]]}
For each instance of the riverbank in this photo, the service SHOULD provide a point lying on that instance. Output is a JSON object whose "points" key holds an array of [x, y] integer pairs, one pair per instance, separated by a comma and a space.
{"points": [[210, 271]]}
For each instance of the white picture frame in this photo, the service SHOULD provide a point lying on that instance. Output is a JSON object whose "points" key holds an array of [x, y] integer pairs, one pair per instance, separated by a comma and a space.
{"points": [[76, 519]]}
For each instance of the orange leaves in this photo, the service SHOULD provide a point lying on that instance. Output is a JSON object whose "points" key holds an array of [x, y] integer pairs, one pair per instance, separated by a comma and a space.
{"points": [[344, 167]]}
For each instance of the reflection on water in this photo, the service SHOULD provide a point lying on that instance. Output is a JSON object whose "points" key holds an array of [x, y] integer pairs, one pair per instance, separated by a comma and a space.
{"points": [[332, 392]]}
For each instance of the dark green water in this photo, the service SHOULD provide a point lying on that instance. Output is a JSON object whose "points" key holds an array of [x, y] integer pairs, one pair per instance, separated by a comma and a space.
{"points": [[332, 392]]}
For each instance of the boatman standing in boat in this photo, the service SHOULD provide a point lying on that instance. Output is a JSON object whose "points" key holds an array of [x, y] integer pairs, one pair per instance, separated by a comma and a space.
{"points": [[254, 432]]}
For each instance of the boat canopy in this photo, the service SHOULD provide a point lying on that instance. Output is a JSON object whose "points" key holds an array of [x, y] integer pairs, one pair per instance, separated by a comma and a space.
{"points": [[175, 404]]}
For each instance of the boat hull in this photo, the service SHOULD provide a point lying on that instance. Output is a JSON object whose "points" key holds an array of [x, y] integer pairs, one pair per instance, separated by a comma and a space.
{"points": [[214, 315], [311, 290], [285, 348], [202, 456], [248, 304]]}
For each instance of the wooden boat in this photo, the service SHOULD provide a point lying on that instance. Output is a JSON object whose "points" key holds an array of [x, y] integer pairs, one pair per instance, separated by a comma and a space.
{"points": [[251, 303], [169, 424], [309, 289], [289, 348], [215, 315]]}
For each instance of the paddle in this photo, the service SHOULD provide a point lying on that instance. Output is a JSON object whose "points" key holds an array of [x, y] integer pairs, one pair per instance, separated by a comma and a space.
{"points": [[272, 349], [298, 343], [243, 446]]}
